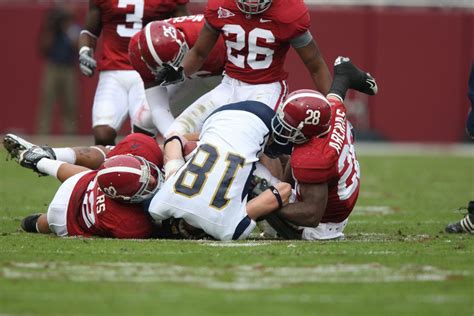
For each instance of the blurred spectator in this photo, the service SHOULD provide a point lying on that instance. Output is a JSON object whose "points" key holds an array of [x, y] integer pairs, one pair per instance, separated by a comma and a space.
{"points": [[58, 42]]}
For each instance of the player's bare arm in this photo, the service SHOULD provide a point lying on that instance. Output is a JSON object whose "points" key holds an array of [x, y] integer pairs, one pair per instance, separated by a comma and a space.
{"points": [[317, 67], [173, 154], [310, 210], [197, 55], [268, 201], [92, 27], [88, 40]]}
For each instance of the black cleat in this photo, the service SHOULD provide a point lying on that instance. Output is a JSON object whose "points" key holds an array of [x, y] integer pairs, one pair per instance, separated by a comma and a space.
{"points": [[465, 225], [348, 76], [28, 224]]}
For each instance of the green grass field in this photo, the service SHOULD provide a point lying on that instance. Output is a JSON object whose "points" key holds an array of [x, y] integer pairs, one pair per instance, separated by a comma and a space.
{"points": [[395, 260]]}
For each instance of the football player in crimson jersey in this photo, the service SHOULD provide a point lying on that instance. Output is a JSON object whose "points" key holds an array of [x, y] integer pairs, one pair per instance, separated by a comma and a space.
{"points": [[120, 90], [162, 44], [323, 162], [104, 202], [257, 35]]}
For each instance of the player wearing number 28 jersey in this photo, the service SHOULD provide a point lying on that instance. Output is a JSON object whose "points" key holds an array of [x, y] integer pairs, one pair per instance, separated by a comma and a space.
{"points": [[120, 90], [330, 160]]}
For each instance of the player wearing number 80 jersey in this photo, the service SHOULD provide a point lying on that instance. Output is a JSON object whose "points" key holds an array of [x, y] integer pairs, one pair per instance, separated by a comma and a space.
{"points": [[120, 90]]}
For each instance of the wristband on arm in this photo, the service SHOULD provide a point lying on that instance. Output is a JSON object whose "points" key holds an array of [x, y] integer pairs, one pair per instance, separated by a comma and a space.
{"points": [[277, 195], [173, 138]]}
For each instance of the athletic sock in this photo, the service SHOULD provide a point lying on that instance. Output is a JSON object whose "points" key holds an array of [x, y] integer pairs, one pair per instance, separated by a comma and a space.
{"points": [[49, 167], [65, 154]]}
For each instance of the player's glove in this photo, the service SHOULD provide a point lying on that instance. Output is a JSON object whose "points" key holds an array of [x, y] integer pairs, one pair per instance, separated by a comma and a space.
{"points": [[169, 75], [87, 63]]}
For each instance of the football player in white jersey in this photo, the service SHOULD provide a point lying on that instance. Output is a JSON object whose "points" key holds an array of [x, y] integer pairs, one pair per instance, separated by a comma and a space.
{"points": [[210, 190]]}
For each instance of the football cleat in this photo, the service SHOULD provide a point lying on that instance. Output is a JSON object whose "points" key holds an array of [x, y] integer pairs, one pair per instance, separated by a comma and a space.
{"points": [[465, 225], [28, 224], [29, 158], [348, 76], [15, 145]]}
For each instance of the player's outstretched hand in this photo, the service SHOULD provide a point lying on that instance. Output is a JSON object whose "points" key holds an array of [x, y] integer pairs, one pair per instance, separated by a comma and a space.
{"points": [[87, 63], [170, 75]]}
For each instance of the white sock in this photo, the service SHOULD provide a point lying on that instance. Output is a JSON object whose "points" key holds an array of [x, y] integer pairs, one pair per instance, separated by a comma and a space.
{"points": [[48, 166], [66, 154]]}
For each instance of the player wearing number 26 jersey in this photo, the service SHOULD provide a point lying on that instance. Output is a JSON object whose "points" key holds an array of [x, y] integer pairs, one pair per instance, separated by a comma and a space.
{"points": [[120, 90], [257, 44], [210, 191]]}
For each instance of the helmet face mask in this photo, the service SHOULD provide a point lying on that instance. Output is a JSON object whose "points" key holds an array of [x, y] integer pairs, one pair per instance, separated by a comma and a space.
{"points": [[253, 6], [303, 114], [129, 179], [284, 133], [161, 43]]}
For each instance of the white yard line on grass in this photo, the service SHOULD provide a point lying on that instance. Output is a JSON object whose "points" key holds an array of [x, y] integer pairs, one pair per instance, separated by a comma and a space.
{"points": [[244, 277]]}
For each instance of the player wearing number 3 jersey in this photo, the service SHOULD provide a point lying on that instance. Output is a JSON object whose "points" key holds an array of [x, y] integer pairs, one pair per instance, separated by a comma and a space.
{"points": [[257, 35], [120, 90]]}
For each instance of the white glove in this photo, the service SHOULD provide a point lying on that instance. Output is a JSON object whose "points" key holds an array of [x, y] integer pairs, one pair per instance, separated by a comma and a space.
{"points": [[87, 63]]}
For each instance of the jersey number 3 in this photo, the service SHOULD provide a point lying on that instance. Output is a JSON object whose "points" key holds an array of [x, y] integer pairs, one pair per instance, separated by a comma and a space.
{"points": [[264, 54], [135, 17]]}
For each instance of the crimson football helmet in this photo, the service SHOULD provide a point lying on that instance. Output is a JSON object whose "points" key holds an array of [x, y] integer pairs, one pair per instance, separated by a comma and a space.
{"points": [[253, 6], [161, 43], [128, 178], [303, 114]]}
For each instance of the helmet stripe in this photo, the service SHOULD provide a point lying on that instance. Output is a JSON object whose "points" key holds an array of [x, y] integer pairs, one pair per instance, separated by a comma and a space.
{"points": [[149, 43], [120, 169], [305, 94]]}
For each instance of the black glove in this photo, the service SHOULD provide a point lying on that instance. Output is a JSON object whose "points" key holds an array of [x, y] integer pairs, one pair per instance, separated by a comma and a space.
{"points": [[169, 75]]}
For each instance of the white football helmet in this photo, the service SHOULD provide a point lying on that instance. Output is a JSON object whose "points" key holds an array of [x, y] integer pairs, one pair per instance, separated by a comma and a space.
{"points": [[253, 6]]}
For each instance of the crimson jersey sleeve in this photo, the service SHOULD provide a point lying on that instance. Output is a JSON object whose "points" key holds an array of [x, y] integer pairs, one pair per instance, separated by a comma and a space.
{"points": [[257, 45], [317, 160], [120, 20]]}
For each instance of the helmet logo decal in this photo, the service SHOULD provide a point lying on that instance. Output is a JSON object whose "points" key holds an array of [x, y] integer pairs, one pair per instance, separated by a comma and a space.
{"points": [[110, 191], [170, 31]]}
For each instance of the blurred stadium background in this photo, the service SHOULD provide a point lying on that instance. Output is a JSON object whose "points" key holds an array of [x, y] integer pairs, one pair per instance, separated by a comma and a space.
{"points": [[420, 51]]}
